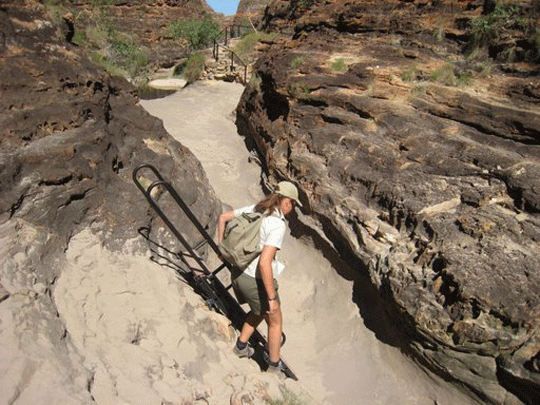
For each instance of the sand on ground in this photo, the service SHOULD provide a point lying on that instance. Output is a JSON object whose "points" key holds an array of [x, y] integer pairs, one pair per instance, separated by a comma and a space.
{"points": [[336, 357]]}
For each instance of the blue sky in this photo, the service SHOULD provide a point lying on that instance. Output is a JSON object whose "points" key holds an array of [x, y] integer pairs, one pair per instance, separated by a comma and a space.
{"points": [[226, 7]]}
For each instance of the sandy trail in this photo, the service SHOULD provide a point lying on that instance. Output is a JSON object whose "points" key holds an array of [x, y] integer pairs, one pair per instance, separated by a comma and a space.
{"points": [[338, 360]]}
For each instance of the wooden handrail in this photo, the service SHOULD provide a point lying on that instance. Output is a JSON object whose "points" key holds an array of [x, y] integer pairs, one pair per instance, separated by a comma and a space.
{"points": [[233, 56], [228, 34]]}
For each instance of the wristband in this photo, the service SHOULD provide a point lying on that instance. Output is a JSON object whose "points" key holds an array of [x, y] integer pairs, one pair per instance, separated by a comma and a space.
{"points": [[272, 299]]}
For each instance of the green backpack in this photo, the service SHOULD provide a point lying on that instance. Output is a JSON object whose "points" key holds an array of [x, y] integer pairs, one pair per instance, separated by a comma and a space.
{"points": [[240, 244]]}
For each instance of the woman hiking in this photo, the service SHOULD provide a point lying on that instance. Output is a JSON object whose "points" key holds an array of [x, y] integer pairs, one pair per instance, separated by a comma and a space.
{"points": [[257, 283]]}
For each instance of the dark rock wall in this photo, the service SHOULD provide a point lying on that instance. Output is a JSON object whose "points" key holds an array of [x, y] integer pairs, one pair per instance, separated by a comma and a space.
{"points": [[431, 190], [70, 127], [70, 137]]}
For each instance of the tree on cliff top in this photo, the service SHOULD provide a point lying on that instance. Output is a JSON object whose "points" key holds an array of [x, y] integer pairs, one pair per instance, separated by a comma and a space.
{"points": [[198, 32]]}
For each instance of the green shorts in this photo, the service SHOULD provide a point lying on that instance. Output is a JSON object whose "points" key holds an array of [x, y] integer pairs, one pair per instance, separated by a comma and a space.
{"points": [[251, 290]]}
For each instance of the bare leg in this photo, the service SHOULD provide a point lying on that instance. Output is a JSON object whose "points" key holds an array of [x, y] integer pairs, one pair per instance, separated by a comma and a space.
{"points": [[275, 327], [251, 323]]}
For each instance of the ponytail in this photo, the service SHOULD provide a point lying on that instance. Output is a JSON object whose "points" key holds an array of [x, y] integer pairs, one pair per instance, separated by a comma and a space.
{"points": [[269, 204]]}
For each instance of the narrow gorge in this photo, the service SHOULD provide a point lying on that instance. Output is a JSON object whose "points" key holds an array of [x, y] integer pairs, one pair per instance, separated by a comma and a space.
{"points": [[415, 147]]}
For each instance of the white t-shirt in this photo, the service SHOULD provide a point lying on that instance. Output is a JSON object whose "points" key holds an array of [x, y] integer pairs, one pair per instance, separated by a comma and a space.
{"points": [[272, 232]]}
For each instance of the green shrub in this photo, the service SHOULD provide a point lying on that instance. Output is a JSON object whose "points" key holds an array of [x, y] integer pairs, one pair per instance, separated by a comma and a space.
{"points": [[55, 11], [246, 45], [96, 31], [128, 56], [120, 56], [299, 90], [79, 38], [297, 61], [339, 65], [194, 67], [444, 75], [439, 31], [482, 31], [119, 53], [106, 63], [178, 69], [97, 36], [450, 75], [419, 89], [464, 79], [99, 16], [410, 73], [199, 33], [488, 30], [485, 67], [490, 26]]}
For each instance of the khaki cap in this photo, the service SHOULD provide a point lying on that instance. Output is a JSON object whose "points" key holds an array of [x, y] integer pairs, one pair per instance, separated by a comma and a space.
{"points": [[287, 189]]}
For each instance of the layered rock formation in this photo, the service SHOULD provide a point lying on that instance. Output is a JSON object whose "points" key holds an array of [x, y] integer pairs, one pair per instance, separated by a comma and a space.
{"points": [[80, 320], [82, 130], [428, 186]]}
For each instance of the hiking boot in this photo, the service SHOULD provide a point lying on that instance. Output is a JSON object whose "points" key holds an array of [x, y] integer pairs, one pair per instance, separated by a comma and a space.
{"points": [[246, 352], [278, 370]]}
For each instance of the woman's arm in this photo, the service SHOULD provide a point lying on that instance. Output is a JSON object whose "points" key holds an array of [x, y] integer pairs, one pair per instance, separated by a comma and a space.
{"points": [[223, 219], [267, 276]]}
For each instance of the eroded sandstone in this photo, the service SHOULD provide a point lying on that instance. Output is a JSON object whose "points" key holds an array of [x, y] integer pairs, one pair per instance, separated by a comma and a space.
{"points": [[70, 138], [430, 188]]}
